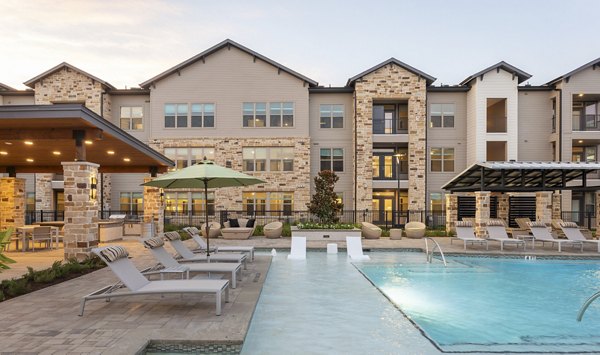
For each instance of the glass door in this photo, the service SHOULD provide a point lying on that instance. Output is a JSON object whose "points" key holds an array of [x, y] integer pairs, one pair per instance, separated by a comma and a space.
{"points": [[383, 207]]}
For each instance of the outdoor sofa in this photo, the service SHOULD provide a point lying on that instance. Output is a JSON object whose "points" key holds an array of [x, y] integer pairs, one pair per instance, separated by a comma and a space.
{"points": [[243, 231]]}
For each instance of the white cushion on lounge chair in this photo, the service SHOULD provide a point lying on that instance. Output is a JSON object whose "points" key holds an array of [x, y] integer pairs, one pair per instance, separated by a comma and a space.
{"points": [[298, 249], [541, 233], [464, 232], [573, 233], [497, 232], [354, 249], [163, 257], [139, 285]]}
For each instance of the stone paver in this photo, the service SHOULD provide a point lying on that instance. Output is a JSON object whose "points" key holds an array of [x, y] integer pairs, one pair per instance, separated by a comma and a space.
{"points": [[46, 321]]}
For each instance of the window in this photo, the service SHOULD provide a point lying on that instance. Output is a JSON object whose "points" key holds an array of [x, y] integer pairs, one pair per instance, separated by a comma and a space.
{"points": [[584, 154], [553, 115], [203, 115], [131, 118], [184, 157], [255, 114], [179, 203], [332, 116], [442, 159], [131, 202], [30, 201], [436, 200], [495, 151], [176, 115], [496, 115], [268, 159], [442, 115], [281, 114], [332, 159], [271, 203]]}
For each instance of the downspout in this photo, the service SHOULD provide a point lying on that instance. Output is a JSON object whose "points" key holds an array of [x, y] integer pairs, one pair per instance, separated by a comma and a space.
{"points": [[355, 158], [101, 195], [560, 123], [426, 151]]}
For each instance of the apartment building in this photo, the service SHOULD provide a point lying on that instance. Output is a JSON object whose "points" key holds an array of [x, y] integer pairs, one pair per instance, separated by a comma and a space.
{"points": [[392, 136]]}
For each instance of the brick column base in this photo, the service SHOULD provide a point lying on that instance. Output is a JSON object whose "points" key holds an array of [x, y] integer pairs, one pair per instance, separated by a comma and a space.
{"points": [[12, 202], [451, 212], [154, 210], [482, 212]]}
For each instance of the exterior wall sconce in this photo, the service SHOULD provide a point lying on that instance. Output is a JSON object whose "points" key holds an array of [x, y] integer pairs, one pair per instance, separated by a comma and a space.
{"points": [[93, 187], [162, 197]]}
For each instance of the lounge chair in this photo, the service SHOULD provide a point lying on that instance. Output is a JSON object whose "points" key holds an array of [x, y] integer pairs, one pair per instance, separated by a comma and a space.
{"points": [[464, 232], [370, 231], [298, 249], [355, 250], [116, 259], [191, 231], [523, 225], [229, 248], [584, 231], [188, 256], [542, 234], [156, 246], [497, 231], [572, 232]]}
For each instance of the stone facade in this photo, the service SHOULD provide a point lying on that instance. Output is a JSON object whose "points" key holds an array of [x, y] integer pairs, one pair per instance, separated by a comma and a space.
{"points": [[503, 206], [543, 206], [12, 202], [105, 189], [597, 213], [44, 196], [154, 208], [228, 152], [81, 210], [556, 206], [482, 212], [451, 211], [391, 82]]}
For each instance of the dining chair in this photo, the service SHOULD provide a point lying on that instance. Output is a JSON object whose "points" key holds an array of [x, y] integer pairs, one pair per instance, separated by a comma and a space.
{"points": [[41, 235]]}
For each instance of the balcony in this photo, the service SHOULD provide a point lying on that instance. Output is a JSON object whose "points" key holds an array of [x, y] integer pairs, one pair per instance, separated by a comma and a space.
{"points": [[390, 126]]}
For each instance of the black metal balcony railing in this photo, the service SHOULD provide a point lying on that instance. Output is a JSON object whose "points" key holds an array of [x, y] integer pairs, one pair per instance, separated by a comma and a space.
{"points": [[390, 126], [586, 123]]}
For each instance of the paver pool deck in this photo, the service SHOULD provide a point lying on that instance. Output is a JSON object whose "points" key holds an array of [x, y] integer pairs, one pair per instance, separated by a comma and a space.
{"points": [[47, 321]]}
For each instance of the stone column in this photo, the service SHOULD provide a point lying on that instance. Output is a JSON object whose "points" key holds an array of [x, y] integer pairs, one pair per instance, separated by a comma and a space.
{"points": [[503, 207], [597, 213], [106, 192], [12, 202], [556, 206], [81, 210], [543, 206], [44, 195], [482, 212], [451, 212], [154, 208]]}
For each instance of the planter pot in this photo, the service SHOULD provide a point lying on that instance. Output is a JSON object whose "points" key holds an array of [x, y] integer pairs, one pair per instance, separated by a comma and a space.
{"points": [[326, 234]]}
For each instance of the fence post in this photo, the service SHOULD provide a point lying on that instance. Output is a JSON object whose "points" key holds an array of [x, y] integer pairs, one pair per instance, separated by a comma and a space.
{"points": [[589, 220]]}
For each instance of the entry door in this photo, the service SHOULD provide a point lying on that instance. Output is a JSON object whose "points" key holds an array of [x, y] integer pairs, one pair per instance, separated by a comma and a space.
{"points": [[383, 209]]}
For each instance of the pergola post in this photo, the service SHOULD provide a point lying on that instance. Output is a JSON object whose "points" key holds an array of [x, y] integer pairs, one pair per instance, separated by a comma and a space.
{"points": [[543, 206], [482, 212], [154, 209], [81, 208], [503, 206], [556, 205], [451, 211], [12, 202]]}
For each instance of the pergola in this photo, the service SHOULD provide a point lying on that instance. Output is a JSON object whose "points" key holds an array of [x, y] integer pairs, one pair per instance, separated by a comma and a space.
{"points": [[544, 179], [72, 140]]}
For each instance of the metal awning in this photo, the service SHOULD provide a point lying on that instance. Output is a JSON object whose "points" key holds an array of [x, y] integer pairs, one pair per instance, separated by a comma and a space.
{"points": [[518, 176]]}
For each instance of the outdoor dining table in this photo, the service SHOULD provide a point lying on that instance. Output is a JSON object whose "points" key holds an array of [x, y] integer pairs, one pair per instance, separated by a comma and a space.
{"points": [[27, 230]]}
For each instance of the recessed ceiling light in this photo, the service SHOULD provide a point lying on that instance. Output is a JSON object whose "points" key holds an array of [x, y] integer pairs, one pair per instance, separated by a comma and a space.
{"points": [[126, 159], [580, 141], [3, 153], [580, 95], [8, 143], [56, 152], [88, 142], [28, 142], [29, 160], [110, 152]]}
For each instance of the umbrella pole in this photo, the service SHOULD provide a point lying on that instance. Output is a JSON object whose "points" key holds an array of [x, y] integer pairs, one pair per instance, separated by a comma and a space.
{"points": [[207, 225]]}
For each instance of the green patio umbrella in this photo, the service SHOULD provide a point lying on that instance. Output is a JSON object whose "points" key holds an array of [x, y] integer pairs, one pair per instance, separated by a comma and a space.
{"points": [[203, 175]]}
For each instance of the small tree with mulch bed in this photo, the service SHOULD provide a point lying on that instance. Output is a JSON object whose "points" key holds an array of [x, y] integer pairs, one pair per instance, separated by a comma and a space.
{"points": [[324, 203]]}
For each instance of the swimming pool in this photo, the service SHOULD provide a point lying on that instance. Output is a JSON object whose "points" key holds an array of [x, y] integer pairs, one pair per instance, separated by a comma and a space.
{"points": [[326, 305]]}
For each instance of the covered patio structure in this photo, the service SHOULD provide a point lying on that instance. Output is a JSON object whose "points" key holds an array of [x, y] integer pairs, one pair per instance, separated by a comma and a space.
{"points": [[545, 179], [72, 140]]}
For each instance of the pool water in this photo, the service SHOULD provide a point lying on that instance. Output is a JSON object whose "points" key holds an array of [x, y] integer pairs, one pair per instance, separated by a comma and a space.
{"points": [[496, 304]]}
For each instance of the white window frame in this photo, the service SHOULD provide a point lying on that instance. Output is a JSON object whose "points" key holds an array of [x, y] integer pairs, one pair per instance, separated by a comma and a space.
{"points": [[130, 195], [331, 159], [190, 158], [331, 116], [203, 114], [268, 159], [443, 115], [177, 115], [442, 160], [130, 118]]}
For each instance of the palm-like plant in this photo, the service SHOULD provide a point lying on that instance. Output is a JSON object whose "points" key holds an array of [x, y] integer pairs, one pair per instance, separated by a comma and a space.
{"points": [[5, 240]]}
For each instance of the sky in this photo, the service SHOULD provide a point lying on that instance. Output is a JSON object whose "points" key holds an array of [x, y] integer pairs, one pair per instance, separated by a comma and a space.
{"points": [[127, 42]]}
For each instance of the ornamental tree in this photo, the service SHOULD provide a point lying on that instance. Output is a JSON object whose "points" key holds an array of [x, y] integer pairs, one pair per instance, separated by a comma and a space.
{"points": [[324, 203]]}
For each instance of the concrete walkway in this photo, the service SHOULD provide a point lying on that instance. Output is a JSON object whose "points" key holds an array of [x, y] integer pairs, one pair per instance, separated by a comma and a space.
{"points": [[46, 321]]}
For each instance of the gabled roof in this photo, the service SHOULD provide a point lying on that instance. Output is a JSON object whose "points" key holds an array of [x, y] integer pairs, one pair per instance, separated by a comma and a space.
{"points": [[593, 64], [6, 88], [226, 43], [31, 82], [501, 65], [430, 79]]}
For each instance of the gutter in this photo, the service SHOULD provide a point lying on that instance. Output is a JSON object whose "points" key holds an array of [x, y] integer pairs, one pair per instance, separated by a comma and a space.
{"points": [[355, 159]]}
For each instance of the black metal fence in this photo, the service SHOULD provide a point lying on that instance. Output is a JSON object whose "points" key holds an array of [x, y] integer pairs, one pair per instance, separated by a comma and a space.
{"points": [[582, 218]]}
